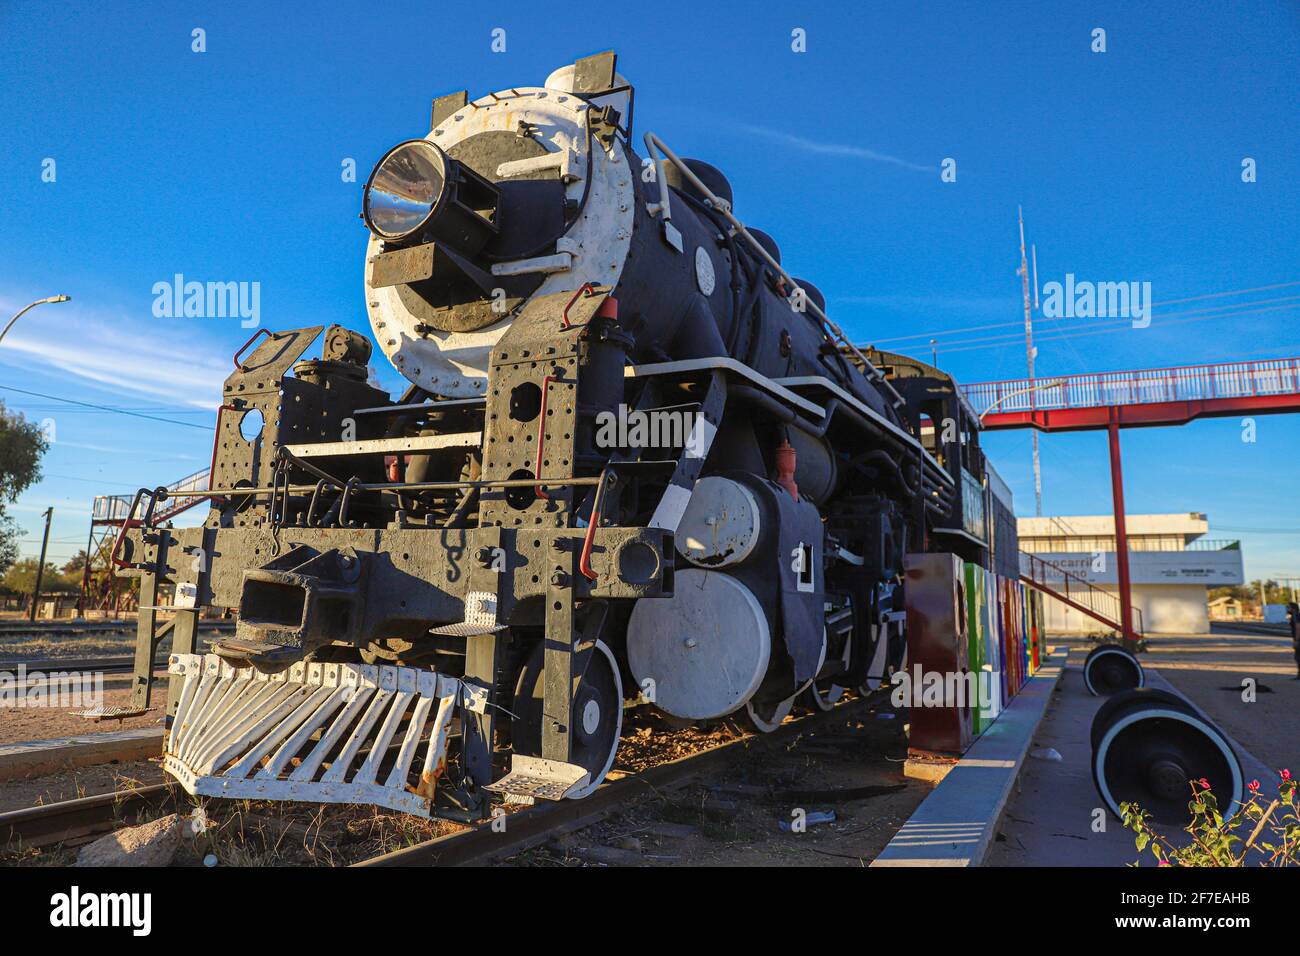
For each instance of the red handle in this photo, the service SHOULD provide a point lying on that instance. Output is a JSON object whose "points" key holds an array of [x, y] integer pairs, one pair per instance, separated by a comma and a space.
{"points": [[247, 344], [585, 289], [584, 560], [541, 438]]}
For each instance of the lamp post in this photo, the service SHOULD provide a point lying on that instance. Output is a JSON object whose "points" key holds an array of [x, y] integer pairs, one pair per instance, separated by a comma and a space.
{"points": [[1021, 391], [50, 298]]}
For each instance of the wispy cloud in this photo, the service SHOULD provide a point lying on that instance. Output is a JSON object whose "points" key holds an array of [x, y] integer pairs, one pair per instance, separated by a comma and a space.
{"points": [[119, 356], [834, 149]]}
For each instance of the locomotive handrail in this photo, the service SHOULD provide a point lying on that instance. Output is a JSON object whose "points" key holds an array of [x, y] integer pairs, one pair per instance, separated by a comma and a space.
{"points": [[663, 208], [416, 486], [155, 495]]}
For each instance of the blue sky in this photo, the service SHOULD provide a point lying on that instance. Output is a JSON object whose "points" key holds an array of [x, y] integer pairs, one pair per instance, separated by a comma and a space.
{"points": [[225, 166]]}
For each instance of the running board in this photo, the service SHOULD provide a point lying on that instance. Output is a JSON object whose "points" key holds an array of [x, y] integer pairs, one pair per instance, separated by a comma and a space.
{"points": [[316, 732]]}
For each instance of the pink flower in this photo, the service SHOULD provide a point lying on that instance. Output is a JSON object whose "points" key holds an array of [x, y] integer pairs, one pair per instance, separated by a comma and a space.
{"points": [[1204, 783], [1286, 774], [1163, 863], [1253, 786]]}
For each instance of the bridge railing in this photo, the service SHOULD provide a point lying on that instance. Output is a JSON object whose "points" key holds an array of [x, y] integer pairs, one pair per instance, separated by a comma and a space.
{"points": [[1186, 383], [185, 493]]}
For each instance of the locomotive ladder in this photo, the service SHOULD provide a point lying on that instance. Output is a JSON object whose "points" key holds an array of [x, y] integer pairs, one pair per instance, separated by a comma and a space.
{"points": [[1073, 591]]}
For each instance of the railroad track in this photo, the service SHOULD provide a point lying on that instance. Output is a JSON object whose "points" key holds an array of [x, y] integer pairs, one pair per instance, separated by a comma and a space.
{"points": [[1252, 627], [107, 665], [72, 821], [77, 821], [537, 824], [91, 627]]}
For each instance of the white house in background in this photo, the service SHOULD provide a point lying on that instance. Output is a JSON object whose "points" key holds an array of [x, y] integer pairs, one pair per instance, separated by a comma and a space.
{"points": [[1226, 609], [1171, 566]]}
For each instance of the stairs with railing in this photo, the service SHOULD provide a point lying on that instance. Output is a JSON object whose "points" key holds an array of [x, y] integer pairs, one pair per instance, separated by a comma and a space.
{"points": [[1073, 591], [181, 495]]}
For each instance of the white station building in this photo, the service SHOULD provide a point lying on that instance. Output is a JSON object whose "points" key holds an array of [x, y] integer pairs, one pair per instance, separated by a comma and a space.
{"points": [[1171, 566]]}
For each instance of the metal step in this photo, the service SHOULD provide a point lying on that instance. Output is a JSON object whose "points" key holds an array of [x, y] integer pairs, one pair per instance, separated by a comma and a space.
{"points": [[116, 712], [315, 732], [480, 617], [534, 778]]}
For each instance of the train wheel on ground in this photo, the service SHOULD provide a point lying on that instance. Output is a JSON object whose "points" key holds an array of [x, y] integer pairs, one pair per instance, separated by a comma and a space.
{"points": [[597, 713], [1109, 669], [765, 718], [1152, 695], [1146, 749]]}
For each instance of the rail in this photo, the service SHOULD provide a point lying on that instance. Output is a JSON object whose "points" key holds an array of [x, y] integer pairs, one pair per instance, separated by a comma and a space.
{"points": [[1185, 383], [1098, 603], [663, 208], [1050, 544]]}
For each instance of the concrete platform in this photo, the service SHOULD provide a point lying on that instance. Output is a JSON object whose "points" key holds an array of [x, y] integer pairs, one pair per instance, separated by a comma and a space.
{"points": [[957, 822], [35, 758], [1054, 818]]}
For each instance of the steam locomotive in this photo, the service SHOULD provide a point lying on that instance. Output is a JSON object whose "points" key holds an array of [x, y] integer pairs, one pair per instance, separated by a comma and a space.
{"points": [[637, 463]]}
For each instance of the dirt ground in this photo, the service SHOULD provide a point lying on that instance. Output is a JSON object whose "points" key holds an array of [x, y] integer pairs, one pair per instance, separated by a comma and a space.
{"points": [[82, 782], [48, 646], [852, 768], [45, 723], [1210, 668]]}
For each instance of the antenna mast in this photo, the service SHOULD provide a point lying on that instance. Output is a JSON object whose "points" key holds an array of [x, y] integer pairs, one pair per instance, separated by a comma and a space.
{"points": [[1023, 272]]}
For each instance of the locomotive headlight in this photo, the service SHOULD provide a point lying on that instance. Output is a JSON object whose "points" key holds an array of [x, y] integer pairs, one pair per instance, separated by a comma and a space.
{"points": [[417, 193], [404, 189]]}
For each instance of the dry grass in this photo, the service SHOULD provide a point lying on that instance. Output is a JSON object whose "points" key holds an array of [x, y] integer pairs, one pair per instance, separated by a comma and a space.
{"points": [[51, 646], [267, 833]]}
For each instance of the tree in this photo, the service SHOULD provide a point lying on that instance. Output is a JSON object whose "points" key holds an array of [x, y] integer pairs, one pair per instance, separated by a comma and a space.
{"points": [[1238, 591], [21, 445], [21, 578], [76, 565]]}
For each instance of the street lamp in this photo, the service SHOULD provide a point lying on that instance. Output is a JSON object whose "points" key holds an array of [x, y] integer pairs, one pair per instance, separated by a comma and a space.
{"points": [[51, 298], [1021, 391]]}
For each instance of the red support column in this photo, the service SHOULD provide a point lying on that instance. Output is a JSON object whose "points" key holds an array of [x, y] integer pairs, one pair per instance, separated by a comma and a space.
{"points": [[1121, 531]]}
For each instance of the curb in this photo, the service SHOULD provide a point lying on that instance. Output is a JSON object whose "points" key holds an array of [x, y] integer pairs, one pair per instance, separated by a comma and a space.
{"points": [[35, 758], [956, 823]]}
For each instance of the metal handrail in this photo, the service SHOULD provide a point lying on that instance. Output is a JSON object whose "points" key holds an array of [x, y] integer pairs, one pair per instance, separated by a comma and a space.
{"points": [[184, 493], [663, 209], [1144, 386], [1155, 544], [1097, 602]]}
